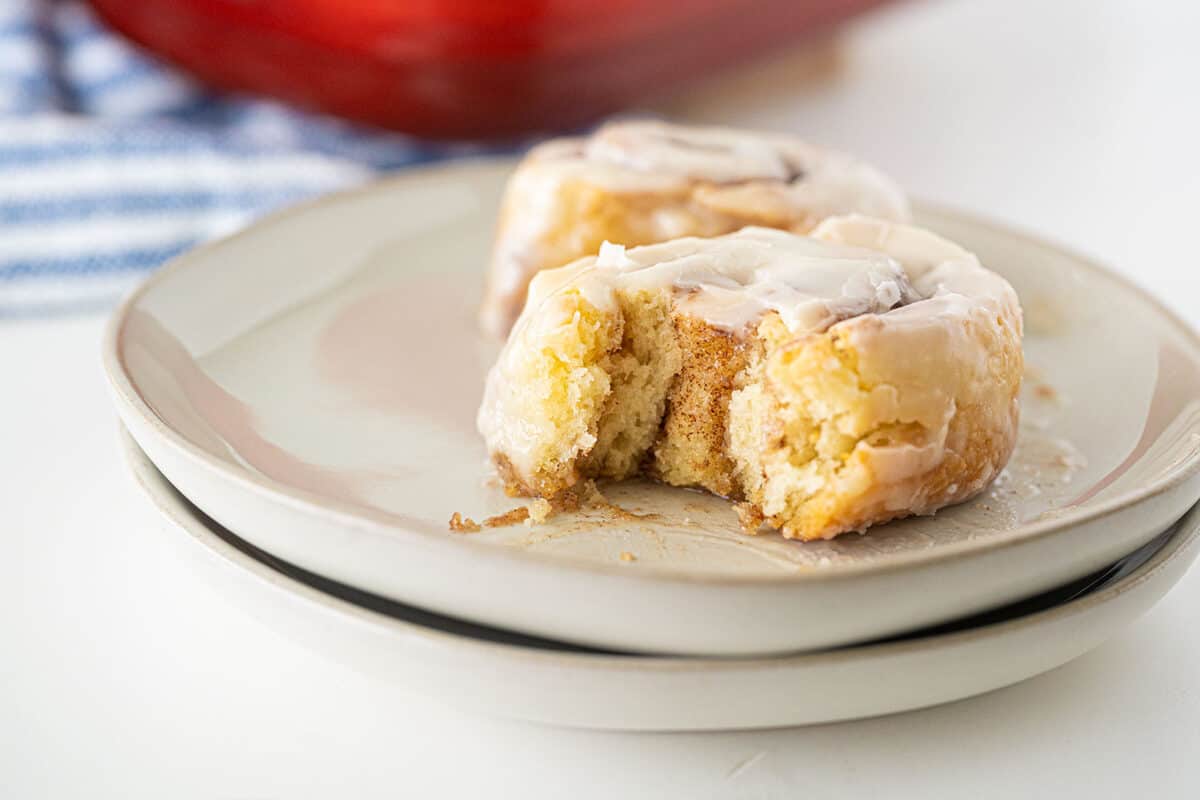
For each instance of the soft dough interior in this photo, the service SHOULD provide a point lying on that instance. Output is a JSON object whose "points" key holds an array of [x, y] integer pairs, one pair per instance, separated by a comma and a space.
{"points": [[642, 364]]}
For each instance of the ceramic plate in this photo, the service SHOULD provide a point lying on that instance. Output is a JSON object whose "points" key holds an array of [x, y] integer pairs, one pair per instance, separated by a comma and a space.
{"points": [[311, 383], [490, 671]]}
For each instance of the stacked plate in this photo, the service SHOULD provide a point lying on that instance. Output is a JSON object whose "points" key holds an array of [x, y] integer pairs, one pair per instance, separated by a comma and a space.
{"points": [[301, 400]]}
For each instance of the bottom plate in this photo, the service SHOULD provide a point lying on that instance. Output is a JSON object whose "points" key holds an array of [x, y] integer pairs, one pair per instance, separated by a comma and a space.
{"points": [[508, 674]]}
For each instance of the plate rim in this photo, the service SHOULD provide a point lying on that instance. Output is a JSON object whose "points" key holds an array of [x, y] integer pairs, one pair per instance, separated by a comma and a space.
{"points": [[173, 505], [128, 396]]}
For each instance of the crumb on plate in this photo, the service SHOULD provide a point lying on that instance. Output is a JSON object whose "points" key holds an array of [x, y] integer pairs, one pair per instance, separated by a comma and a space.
{"points": [[540, 510], [511, 517], [461, 524], [750, 516], [1045, 391]]}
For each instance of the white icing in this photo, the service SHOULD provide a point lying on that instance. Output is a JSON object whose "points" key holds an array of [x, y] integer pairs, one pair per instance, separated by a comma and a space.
{"points": [[731, 281], [649, 156], [950, 279], [716, 154]]}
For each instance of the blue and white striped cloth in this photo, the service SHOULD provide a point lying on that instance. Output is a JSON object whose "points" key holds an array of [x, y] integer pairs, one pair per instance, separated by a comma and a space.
{"points": [[110, 162]]}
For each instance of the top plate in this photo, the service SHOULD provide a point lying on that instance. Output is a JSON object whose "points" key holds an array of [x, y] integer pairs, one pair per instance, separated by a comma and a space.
{"points": [[311, 383]]}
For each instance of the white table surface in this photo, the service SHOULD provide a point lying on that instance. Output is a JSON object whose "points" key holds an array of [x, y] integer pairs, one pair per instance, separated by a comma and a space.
{"points": [[121, 675]]}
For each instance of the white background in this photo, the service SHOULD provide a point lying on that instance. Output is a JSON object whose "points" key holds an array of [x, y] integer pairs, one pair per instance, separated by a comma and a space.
{"points": [[122, 675]]}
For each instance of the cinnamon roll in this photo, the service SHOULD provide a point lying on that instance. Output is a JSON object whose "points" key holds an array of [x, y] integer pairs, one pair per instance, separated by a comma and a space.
{"points": [[827, 382], [635, 183]]}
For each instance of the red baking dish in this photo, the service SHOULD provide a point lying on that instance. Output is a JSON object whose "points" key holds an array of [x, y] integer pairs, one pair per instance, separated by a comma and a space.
{"points": [[466, 68]]}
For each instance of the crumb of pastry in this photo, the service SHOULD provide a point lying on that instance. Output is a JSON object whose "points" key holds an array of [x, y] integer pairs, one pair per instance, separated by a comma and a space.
{"points": [[750, 516], [461, 524], [628, 556], [1045, 391], [569, 500], [540, 510], [591, 494], [511, 517]]}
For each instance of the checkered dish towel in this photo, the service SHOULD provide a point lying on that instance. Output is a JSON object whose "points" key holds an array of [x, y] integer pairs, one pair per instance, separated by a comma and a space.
{"points": [[111, 163]]}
